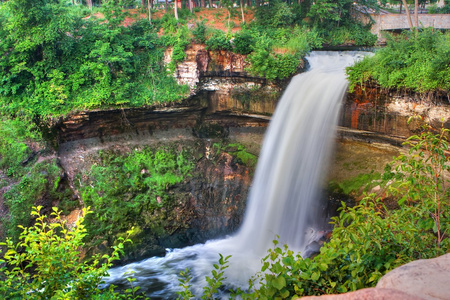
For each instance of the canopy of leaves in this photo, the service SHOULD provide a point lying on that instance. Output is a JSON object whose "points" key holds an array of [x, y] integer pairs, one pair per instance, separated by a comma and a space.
{"points": [[54, 61]]}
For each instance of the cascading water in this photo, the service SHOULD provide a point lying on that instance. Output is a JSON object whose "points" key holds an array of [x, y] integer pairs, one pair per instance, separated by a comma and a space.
{"points": [[285, 191]]}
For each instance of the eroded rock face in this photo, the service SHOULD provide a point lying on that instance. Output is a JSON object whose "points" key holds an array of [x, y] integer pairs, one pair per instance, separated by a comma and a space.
{"points": [[400, 114], [426, 278]]}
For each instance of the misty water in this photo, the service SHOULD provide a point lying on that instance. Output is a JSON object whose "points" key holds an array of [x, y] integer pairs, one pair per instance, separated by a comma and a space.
{"points": [[285, 193]]}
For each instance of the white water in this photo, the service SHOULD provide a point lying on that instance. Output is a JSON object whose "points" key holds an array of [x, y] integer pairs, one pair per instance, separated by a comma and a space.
{"points": [[285, 192]]}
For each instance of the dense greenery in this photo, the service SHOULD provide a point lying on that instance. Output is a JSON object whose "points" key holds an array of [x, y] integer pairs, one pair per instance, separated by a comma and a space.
{"points": [[55, 61], [46, 263], [417, 61], [56, 58], [125, 190], [25, 179]]}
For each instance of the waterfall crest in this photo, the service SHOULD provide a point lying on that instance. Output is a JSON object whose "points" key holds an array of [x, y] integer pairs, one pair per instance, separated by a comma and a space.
{"points": [[285, 191]]}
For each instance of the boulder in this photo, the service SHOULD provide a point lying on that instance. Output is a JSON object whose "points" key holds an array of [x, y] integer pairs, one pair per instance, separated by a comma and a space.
{"points": [[425, 278], [367, 294]]}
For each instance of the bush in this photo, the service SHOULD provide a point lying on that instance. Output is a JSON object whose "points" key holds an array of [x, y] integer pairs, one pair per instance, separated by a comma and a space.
{"points": [[243, 42], [46, 263], [219, 41], [418, 61], [271, 66], [199, 33]]}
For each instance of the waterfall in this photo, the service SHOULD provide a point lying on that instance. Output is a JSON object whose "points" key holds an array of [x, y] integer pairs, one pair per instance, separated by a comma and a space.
{"points": [[286, 188], [297, 144]]}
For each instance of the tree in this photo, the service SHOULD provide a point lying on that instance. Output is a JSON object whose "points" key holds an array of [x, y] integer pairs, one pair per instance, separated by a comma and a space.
{"points": [[408, 15]]}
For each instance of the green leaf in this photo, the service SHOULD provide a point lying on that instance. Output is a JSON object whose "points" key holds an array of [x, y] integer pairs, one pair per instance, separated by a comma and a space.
{"points": [[279, 282]]}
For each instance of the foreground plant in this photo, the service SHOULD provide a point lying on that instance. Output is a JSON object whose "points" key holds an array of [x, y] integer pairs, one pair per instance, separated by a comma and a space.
{"points": [[47, 263]]}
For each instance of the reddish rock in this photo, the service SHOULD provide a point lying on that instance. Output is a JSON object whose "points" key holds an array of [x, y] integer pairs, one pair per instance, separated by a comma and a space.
{"points": [[425, 278], [367, 294]]}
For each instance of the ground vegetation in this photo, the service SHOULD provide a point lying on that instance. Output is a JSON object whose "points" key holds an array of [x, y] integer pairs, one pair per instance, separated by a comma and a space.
{"points": [[414, 61]]}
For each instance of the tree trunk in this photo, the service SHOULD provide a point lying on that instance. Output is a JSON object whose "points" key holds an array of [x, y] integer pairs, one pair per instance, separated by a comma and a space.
{"points": [[401, 3], [165, 5], [191, 4], [242, 11], [89, 3], [416, 13], [408, 15], [149, 12], [210, 4], [176, 9], [202, 3], [142, 3]]}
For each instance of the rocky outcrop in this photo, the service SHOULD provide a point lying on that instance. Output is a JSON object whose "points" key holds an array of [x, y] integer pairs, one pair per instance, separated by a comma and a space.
{"points": [[393, 113], [367, 294], [426, 278]]}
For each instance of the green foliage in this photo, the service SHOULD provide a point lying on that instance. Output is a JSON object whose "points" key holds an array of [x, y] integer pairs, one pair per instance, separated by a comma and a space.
{"points": [[27, 179], [55, 61], [243, 42], [125, 189], [185, 285], [271, 65], [199, 32], [350, 34], [214, 283], [278, 14], [217, 278], [419, 61], [419, 179], [356, 184], [14, 149], [46, 263], [240, 152], [41, 182], [218, 41]]}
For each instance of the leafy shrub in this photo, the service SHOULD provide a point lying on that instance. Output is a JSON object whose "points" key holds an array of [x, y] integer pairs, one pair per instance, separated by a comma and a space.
{"points": [[219, 41], [416, 61], [271, 66], [199, 32], [243, 42], [14, 133], [46, 263], [41, 183]]}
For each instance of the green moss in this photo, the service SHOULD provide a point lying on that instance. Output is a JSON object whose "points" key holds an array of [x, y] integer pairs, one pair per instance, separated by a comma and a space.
{"points": [[132, 189], [355, 184]]}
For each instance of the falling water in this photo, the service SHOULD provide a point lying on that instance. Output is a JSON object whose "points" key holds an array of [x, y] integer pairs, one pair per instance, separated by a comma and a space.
{"points": [[284, 195]]}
